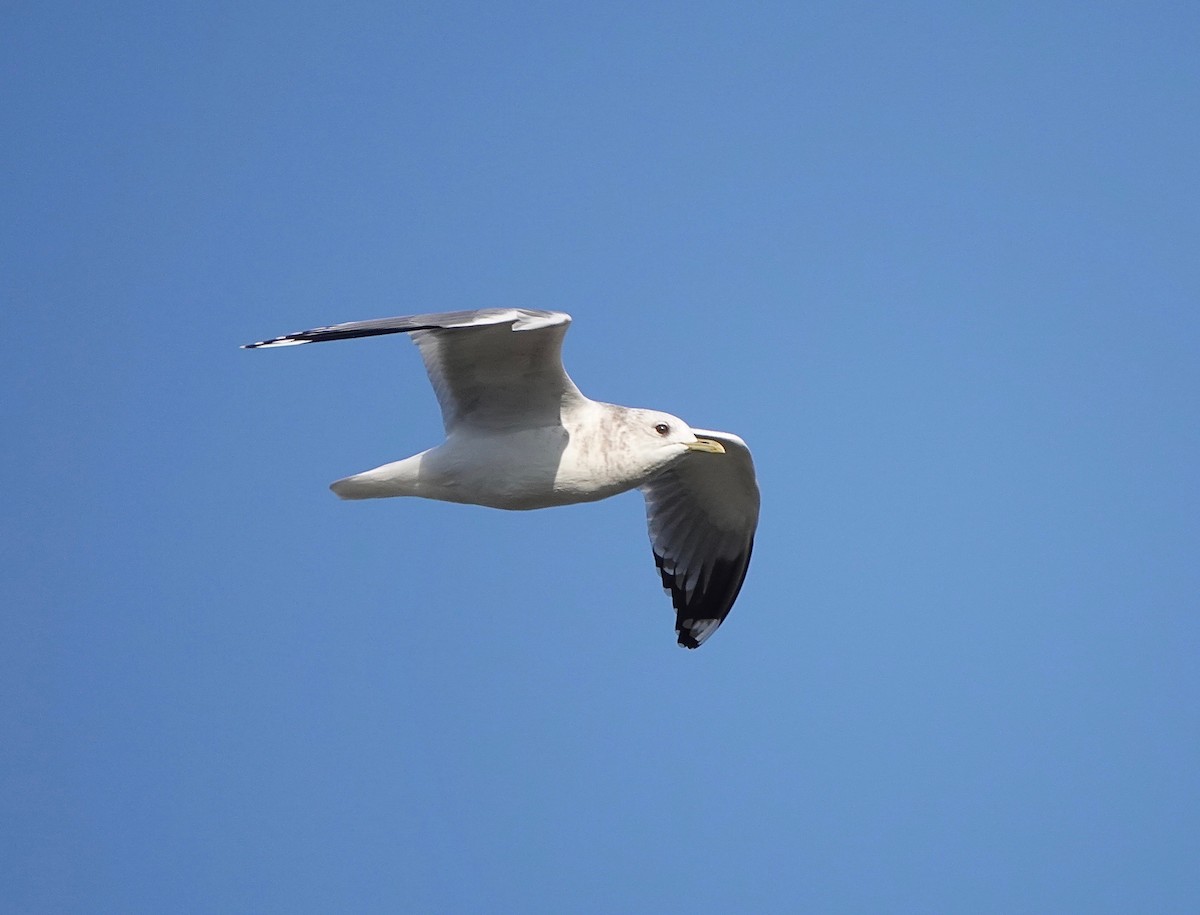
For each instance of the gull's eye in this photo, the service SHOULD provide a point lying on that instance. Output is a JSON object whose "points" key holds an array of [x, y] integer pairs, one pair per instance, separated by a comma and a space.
{"points": [[662, 428]]}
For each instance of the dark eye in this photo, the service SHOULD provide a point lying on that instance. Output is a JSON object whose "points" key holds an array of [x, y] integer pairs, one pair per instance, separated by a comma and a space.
{"points": [[662, 428]]}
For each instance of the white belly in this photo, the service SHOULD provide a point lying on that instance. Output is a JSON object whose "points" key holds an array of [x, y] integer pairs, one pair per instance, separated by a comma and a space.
{"points": [[535, 468]]}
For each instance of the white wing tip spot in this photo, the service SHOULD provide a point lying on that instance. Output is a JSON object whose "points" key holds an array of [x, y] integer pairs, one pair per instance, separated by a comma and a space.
{"points": [[700, 629], [266, 344]]}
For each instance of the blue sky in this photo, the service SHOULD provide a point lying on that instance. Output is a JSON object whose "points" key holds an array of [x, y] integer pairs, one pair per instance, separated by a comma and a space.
{"points": [[936, 263]]}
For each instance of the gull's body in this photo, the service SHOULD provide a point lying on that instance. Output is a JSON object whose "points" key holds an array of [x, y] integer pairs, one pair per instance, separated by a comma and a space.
{"points": [[520, 435], [516, 469]]}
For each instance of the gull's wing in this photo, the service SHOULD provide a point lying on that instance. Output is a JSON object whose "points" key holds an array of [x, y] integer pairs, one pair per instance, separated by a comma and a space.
{"points": [[702, 512], [496, 368]]}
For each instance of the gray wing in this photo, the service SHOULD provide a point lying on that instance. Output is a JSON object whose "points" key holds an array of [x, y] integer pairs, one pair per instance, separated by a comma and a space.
{"points": [[702, 513], [496, 368]]}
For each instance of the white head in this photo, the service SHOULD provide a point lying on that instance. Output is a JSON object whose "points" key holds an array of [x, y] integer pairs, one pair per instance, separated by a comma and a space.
{"points": [[660, 438]]}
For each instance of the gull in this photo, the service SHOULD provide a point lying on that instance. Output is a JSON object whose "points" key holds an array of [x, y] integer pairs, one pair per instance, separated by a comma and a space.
{"points": [[520, 435]]}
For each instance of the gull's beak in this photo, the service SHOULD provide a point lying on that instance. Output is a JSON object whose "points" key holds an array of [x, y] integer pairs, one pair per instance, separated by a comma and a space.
{"points": [[705, 444]]}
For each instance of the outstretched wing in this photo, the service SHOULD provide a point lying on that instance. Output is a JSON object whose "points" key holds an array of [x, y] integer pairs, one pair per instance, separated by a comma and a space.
{"points": [[496, 368], [702, 512]]}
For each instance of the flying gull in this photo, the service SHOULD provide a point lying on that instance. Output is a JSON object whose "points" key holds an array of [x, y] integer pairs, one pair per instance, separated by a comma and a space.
{"points": [[520, 435]]}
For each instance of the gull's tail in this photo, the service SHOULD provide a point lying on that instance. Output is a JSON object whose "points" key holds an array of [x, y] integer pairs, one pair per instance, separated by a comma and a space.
{"points": [[399, 478]]}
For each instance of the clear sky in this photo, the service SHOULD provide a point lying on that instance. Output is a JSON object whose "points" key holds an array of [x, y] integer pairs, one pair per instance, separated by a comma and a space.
{"points": [[939, 265]]}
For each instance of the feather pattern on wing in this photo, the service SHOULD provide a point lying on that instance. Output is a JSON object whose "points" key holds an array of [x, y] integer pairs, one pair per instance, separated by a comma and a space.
{"points": [[495, 368], [702, 512]]}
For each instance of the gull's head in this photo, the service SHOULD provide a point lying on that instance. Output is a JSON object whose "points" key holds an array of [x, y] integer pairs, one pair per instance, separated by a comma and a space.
{"points": [[671, 437]]}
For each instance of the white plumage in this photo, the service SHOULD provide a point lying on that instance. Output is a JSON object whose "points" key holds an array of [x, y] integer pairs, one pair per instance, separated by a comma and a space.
{"points": [[520, 435]]}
